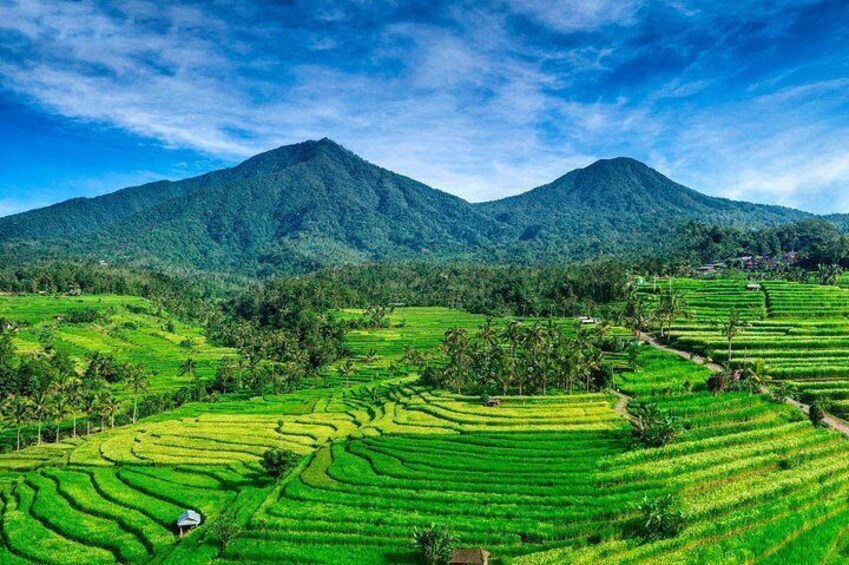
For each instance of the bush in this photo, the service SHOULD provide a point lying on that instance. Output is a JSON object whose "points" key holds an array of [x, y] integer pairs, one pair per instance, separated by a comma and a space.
{"points": [[716, 383], [226, 527], [654, 427], [435, 545], [278, 461], [816, 415], [661, 518]]}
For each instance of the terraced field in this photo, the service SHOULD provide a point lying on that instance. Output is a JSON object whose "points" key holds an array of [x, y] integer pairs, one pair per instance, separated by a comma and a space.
{"points": [[133, 331], [801, 336], [537, 480]]}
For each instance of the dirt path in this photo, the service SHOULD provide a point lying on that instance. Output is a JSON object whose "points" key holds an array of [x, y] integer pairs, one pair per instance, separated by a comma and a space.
{"points": [[829, 420], [622, 404], [684, 354]]}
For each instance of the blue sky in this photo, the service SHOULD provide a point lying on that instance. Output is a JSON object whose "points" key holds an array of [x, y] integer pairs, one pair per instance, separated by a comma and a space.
{"points": [[745, 99]]}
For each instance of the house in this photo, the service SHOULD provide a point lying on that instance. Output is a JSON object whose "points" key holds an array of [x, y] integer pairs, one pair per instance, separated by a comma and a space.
{"points": [[188, 521], [753, 286], [493, 402], [586, 320], [103, 263], [477, 556]]}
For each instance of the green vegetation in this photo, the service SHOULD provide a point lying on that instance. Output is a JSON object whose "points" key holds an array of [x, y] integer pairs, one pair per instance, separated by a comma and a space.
{"points": [[538, 479], [315, 205], [793, 333]]}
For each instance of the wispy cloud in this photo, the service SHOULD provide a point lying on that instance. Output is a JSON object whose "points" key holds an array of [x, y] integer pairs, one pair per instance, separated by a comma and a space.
{"points": [[483, 99]]}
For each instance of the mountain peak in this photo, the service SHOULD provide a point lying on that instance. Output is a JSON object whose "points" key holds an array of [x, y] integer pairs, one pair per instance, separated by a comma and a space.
{"points": [[287, 156]]}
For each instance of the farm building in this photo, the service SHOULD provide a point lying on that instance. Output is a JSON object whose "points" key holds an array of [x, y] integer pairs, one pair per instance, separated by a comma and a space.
{"points": [[493, 402], [586, 320], [753, 286], [187, 521], [477, 556]]}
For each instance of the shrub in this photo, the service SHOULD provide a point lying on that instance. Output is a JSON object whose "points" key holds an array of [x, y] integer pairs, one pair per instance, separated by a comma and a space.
{"points": [[278, 461], [816, 415], [654, 427], [660, 518], [435, 544], [716, 383], [226, 527]]}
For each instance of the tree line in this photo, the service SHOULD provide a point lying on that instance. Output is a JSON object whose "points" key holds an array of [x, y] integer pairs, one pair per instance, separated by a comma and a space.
{"points": [[524, 358]]}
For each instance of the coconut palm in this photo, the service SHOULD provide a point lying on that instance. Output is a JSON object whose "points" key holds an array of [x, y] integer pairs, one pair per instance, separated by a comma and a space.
{"points": [[137, 382], [189, 369], [732, 327], [58, 408], [346, 370], [670, 306], [40, 404], [18, 410]]}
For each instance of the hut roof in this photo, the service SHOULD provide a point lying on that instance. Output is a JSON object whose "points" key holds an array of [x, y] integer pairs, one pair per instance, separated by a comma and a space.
{"points": [[189, 518], [476, 556]]}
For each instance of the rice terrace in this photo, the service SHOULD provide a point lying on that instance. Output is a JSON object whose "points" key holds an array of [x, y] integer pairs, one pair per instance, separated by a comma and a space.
{"points": [[424, 283]]}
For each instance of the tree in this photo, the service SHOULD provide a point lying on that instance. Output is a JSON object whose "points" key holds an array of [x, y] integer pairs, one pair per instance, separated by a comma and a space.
{"points": [[660, 518], [40, 405], [434, 543], [371, 356], [816, 414], [829, 274], [137, 382], [18, 409], [58, 407], [189, 369], [653, 427], [226, 527], [732, 327], [278, 461], [671, 306], [109, 407], [346, 370], [456, 347], [72, 390]]}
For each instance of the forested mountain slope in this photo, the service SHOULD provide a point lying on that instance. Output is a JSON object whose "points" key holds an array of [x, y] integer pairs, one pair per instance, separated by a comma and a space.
{"points": [[617, 206], [315, 204]]}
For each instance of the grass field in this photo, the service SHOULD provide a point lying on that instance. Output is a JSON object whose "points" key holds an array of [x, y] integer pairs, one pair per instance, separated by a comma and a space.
{"points": [[537, 480]]}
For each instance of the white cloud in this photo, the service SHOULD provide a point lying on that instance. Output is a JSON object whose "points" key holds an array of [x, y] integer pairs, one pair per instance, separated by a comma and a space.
{"points": [[468, 106]]}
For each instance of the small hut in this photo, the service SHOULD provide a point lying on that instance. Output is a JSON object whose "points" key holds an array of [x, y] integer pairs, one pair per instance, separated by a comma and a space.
{"points": [[476, 556], [492, 402], [188, 521], [753, 286]]}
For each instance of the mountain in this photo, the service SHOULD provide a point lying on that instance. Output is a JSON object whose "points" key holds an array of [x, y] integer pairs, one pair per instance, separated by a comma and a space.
{"points": [[618, 206], [294, 208], [316, 204]]}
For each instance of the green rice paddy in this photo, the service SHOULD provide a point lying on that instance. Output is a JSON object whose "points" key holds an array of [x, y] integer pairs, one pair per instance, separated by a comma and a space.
{"points": [[537, 480]]}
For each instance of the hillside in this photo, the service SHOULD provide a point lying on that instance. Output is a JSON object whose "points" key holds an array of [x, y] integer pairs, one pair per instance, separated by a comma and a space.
{"points": [[617, 206], [539, 479], [315, 204]]}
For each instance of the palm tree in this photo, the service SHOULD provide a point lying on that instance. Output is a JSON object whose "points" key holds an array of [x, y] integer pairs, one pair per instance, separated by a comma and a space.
{"points": [[58, 408], [671, 306], [18, 408], [90, 405], [346, 370], [40, 408], [732, 327], [371, 357], [70, 389], [137, 382], [189, 368], [456, 345], [110, 408]]}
